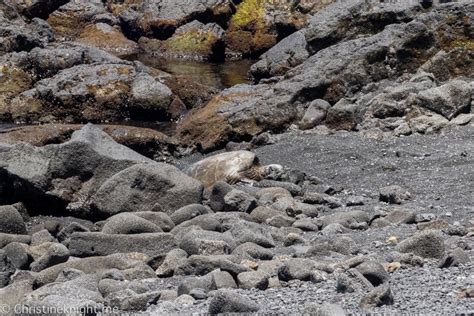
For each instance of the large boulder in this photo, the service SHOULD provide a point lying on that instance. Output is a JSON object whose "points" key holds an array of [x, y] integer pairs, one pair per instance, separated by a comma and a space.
{"points": [[448, 100], [189, 212], [6, 239], [288, 53], [206, 222], [59, 178], [128, 223], [96, 93], [160, 219], [90, 265], [296, 268], [13, 294], [394, 194], [108, 38], [374, 272], [160, 18], [194, 40], [69, 20], [48, 61], [54, 175], [244, 232], [333, 22], [252, 251], [426, 244], [227, 301], [194, 241], [189, 284], [253, 279], [148, 88], [76, 293], [395, 99], [142, 186], [456, 58], [173, 258], [18, 255], [56, 253], [212, 281], [258, 25], [14, 80], [344, 115], [99, 244]]}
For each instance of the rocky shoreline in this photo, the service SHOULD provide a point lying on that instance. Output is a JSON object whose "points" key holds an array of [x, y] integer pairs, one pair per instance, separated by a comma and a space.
{"points": [[340, 181]]}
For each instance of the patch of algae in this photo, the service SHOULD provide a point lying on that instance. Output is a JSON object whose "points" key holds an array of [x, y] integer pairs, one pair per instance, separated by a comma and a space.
{"points": [[192, 42], [13, 80], [250, 12]]}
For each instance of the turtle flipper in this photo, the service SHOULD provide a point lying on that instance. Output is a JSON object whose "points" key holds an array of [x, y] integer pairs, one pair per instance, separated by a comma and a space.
{"points": [[239, 179], [249, 182], [233, 179]]}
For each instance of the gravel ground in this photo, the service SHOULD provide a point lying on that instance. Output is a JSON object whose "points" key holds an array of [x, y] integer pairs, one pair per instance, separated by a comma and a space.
{"points": [[426, 290], [437, 169]]}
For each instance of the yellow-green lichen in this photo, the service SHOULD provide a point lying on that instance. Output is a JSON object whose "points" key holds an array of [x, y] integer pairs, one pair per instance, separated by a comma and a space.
{"points": [[250, 12], [191, 42], [463, 43], [13, 80]]}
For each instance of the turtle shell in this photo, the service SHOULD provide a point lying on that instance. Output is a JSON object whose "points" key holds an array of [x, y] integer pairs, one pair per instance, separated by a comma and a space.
{"points": [[223, 166]]}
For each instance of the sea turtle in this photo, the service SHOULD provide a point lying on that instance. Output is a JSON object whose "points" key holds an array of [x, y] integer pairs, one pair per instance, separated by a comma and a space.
{"points": [[232, 167]]}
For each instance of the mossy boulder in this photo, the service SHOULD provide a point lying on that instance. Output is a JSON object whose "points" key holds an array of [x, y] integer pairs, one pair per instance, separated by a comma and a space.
{"points": [[192, 93], [234, 113], [160, 18], [13, 80], [104, 92], [108, 38], [194, 40], [31, 89], [70, 19], [260, 24]]}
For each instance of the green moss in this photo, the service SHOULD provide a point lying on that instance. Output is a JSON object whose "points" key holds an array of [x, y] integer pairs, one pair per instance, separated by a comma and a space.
{"points": [[250, 12], [192, 42], [13, 80]]}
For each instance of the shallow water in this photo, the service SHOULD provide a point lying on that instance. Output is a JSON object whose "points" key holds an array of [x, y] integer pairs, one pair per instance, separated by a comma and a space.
{"points": [[217, 75]]}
